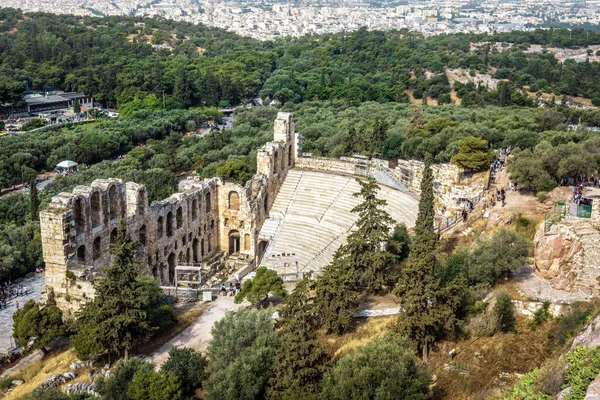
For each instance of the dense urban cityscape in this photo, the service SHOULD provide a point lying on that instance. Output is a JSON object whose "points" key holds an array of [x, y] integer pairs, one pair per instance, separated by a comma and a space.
{"points": [[267, 19]]}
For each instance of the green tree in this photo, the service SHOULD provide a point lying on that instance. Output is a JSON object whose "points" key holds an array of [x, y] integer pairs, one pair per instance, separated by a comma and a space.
{"points": [[34, 203], [36, 327], [365, 251], [241, 351], [300, 361], [385, 368], [257, 290], [116, 317], [336, 296], [428, 305], [504, 311], [76, 107], [188, 366], [116, 387], [399, 245], [153, 385], [472, 154], [236, 170]]}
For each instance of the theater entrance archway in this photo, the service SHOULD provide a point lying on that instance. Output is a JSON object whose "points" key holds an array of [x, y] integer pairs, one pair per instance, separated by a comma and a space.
{"points": [[234, 242]]}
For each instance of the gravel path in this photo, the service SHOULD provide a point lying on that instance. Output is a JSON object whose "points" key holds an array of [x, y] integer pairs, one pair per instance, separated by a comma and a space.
{"points": [[198, 334]]}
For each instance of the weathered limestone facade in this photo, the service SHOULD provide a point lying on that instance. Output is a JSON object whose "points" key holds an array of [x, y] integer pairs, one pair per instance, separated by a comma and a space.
{"points": [[206, 220]]}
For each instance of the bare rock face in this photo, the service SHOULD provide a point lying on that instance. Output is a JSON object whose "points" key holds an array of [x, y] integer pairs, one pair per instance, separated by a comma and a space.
{"points": [[569, 256], [593, 391], [590, 336]]}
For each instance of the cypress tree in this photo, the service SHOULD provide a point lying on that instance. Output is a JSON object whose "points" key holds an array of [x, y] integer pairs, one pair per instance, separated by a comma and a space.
{"points": [[300, 361], [336, 298], [116, 317], [428, 307], [34, 203]]}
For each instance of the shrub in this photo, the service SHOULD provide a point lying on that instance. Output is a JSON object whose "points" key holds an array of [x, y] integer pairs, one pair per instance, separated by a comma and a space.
{"points": [[505, 313], [576, 317], [542, 196], [384, 368], [584, 366], [187, 365], [540, 316], [115, 387], [596, 101], [483, 325], [525, 226]]}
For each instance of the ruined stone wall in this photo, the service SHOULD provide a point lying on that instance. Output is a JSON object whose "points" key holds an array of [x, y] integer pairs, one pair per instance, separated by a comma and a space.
{"points": [[204, 219]]}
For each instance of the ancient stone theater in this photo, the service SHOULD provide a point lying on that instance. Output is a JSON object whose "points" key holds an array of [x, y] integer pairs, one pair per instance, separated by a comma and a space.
{"points": [[291, 216]]}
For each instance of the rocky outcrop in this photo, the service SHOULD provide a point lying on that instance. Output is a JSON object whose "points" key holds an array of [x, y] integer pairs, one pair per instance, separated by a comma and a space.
{"points": [[569, 256], [590, 336]]}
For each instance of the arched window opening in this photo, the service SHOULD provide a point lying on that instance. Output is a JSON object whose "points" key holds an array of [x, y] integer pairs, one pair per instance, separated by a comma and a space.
{"points": [[169, 224], [179, 217], [113, 235], [234, 200], [113, 202], [97, 249], [195, 251], [266, 204], [201, 249], [96, 206], [159, 228], [207, 202], [79, 215], [171, 262], [142, 235], [81, 254], [194, 210]]}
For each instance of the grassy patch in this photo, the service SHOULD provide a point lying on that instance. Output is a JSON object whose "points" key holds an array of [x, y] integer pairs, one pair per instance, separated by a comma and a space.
{"points": [[364, 330], [186, 315]]}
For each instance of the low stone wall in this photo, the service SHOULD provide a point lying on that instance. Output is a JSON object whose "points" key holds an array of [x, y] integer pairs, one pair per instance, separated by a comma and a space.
{"points": [[344, 165]]}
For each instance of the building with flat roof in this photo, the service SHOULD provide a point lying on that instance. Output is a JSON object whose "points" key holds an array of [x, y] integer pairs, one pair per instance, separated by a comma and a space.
{"points": [[50, 101]]}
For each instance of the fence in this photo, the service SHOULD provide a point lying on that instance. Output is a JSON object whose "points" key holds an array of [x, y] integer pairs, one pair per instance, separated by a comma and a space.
{"points": [[554, 216], [584, 211]]}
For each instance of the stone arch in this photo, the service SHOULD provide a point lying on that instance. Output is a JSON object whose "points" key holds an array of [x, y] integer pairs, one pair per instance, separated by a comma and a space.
{"points": [[155, 271], [171, 263], [169, 224], [142, 235], [246, 242], [79, 215], [275, 162], [207, 202], [113, 202], [96, 208], [194, 210], [179, 217], [290, 155], [81, 254], [195, 252], [159, 228], [234, 242], [97, 249], [113, 235], [234, 200], [180, 259], [201, 249]]}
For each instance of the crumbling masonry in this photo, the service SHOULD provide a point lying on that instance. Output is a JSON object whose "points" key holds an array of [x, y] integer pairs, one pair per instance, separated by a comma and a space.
{"points": [[207, 221]]}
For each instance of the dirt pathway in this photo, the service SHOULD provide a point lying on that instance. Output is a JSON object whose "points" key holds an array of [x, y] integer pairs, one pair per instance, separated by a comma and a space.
{"points": [[198, 334]]}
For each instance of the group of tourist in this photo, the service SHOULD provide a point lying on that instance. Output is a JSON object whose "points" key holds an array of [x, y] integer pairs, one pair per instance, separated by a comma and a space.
{"points": [[581, 180], [233, 290], [9, 292]]}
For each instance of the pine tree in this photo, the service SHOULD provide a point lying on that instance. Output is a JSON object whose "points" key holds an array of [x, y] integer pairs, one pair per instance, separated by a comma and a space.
{"points": [[365, 250], [116, 317], [428, 307], [300, 361], [34, 203]]}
